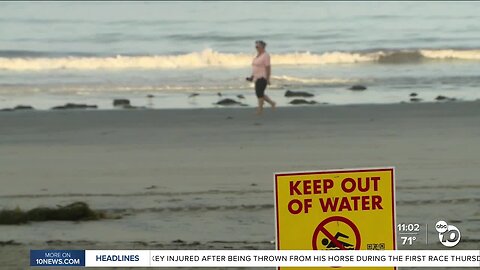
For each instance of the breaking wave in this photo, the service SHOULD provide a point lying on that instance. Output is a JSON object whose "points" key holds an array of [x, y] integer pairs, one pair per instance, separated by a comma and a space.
{"points": [[35, 61]]}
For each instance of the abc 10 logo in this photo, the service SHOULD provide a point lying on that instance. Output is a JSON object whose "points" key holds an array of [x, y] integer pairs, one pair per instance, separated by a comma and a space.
{"points": [[448, 235]]}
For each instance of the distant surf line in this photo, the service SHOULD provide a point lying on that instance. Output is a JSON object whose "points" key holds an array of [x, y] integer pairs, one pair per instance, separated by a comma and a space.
{"points": [[36, 61]]}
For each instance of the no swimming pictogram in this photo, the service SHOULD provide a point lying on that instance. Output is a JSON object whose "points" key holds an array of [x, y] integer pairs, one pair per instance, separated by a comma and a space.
{"points": [[336, 233]]}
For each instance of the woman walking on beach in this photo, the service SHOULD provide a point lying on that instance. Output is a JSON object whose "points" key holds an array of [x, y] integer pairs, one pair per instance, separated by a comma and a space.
{"points": [[261, 71]]}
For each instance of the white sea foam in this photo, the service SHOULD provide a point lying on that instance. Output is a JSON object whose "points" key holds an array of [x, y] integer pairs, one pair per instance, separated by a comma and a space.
{"points": [[210, 58], [452, 54], [314, 81]]}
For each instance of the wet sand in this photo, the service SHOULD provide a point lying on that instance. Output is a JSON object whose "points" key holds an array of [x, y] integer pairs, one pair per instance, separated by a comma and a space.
{"points": [[206, 175]]}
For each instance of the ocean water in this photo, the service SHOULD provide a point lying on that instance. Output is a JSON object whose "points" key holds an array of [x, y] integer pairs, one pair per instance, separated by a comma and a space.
{"points": [[92, 52]]}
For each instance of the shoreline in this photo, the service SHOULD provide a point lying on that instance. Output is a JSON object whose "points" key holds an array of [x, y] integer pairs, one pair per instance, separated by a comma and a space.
{"points": [[238, 107], [283, 96]]}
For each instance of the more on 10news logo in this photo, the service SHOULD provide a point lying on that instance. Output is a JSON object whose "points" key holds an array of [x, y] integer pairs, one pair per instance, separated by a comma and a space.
{"points": [[448, 235]]}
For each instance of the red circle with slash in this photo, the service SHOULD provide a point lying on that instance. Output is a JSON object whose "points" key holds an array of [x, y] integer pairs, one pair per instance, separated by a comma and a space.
{"points": [[321, 228]]}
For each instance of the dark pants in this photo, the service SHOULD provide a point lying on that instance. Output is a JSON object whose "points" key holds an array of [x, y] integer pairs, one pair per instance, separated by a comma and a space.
{"points": [[260, 86]]}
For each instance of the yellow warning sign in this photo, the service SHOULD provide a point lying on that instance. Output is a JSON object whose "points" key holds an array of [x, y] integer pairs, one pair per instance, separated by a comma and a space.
{"points": [[350, 209]]}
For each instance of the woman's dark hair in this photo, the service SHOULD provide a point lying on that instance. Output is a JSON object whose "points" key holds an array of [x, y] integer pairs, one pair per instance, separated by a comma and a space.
{"points": [[261, 42]]}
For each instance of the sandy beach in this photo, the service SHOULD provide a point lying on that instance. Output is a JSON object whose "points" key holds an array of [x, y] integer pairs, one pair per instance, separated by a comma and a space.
{"points": [[204, 178]]}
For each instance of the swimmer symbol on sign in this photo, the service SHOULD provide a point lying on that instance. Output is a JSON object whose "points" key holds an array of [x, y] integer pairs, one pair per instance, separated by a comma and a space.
{"points": [[334, 234], [331, 245]]}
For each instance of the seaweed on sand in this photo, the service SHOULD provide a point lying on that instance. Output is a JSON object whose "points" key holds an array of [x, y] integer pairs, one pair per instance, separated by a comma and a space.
{"points": [[76, 211]]}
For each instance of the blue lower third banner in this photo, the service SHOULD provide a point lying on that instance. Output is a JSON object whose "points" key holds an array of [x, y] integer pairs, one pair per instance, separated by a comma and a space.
{"points": [[57, 258], [255, 258]]}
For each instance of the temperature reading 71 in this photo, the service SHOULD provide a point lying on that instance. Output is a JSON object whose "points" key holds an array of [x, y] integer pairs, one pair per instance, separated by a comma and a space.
{"points": [[408, 240]]}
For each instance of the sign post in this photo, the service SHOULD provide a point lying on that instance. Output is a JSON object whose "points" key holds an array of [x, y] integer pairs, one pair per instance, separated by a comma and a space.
{"points": [[351, 209]]}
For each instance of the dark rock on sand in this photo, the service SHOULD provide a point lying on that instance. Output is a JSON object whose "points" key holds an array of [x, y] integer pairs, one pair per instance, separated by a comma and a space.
{"points": [[415, 99], [23, 107], [302, 101], [121, 102], [17, 108], [357, 88], [444, 98], [74, 106], [298, 94], [125, 104], [413, 94], [240, 96], [178, 241], [228, 102]]}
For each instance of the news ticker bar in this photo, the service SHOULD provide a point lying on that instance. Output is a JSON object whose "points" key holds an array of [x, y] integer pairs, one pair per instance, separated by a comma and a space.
{"points": [[254, 258]]}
